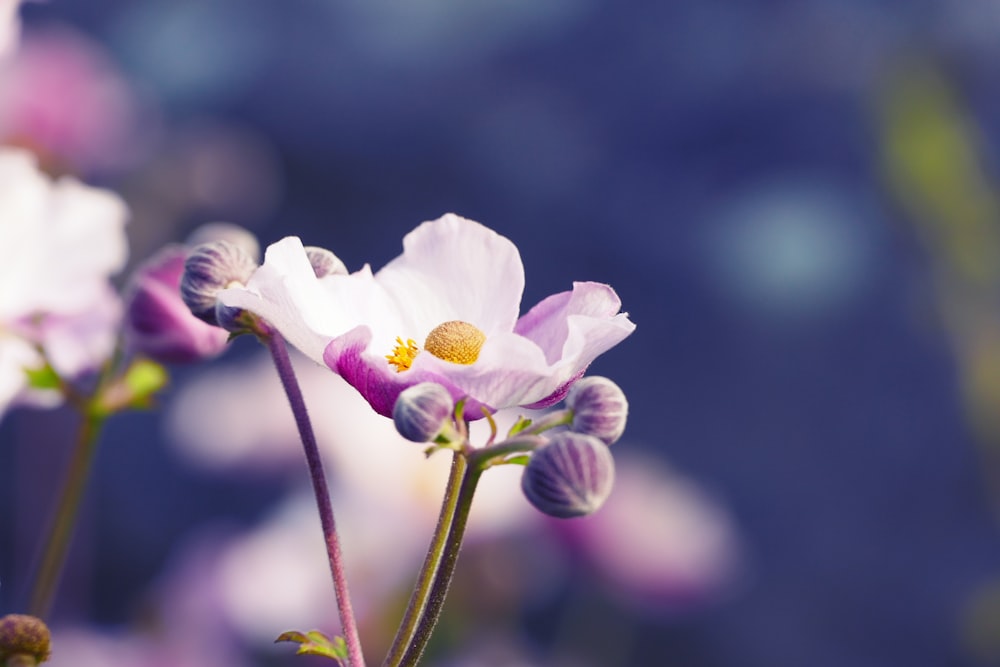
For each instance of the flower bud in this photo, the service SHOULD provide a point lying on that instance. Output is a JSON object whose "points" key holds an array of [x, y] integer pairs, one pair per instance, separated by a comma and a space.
{"points": [[599, 408], [209, 269], [324, 262], [225, 231], [422, 412], [157, 322], [23, 637], [571, 475]]}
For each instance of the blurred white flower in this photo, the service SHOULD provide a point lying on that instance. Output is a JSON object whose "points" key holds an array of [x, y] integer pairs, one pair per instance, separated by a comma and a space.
{"points": [[386, 493], [59, 243], [660, 541], [10, 26]]}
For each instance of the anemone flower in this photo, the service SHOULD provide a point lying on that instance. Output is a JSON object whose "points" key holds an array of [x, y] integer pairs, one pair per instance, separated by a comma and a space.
{"points": [[59, 244], [457, 287]]}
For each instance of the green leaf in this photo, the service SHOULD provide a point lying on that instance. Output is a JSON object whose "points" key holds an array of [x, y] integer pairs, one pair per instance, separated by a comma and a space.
{"points": [[521, 424], [518, 460], [315, 642], [43, 378], [145, 377]]}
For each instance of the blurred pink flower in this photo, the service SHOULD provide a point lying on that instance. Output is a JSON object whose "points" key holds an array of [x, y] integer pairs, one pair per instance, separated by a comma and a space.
{"points": [[458, 285], [158, 323], [660, 541], [59, 243], [63, 97]]}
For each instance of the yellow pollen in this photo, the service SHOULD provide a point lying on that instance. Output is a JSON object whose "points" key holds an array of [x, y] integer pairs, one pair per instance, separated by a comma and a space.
{"points": [[403, 354], [456, 341]]}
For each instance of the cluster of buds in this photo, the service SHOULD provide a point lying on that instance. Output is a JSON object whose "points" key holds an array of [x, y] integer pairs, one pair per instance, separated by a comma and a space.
{"points": [[568, 472], [24, 641]]}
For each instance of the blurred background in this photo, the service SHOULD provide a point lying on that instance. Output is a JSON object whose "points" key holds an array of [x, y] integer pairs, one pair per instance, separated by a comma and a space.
{"points": [[796, 201]]}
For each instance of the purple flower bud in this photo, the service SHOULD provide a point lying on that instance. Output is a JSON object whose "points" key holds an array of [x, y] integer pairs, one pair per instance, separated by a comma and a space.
{"points": [[26, 636], [423, 411], [209, 269], [324, 262], [157, 322], [599, 408], [571, 475], [225, 231]]}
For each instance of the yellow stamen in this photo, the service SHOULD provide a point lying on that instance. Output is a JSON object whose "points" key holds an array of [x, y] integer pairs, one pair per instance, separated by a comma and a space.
{"points": [[403, 354], [456, 341]]}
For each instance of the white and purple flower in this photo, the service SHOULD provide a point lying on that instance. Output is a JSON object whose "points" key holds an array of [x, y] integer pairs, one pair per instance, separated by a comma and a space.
{"points": [[457, 287], [60, 241]]}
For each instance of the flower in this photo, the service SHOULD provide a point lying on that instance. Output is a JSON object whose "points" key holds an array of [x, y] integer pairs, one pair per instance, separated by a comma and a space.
{"points": [[457, 287], [63, 96], [10, 26], [59, 243], [158, 323], [235, 416]]}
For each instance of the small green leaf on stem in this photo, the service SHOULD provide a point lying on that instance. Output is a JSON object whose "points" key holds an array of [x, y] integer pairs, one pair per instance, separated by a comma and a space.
{"points": [[133, 390], [43, 378], [521, 424], [315, 642], [145, 378]]}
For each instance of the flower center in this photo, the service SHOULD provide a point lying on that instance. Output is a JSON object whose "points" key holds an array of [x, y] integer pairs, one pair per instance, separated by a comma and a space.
{"points": [[455, 341], [403, 354]]}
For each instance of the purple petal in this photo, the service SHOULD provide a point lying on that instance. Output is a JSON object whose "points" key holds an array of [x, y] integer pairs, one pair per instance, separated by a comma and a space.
{"points": [[158, 323], [378, 382], [548, 323]]}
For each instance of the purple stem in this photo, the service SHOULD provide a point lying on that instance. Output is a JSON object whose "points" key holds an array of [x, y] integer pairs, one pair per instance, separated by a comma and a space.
{"points": [[279, 352]]}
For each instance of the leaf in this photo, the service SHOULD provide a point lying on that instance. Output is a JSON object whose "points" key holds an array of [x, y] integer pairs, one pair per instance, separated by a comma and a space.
{"points": [[315, 642], [521, 424], [521, 460], [43, 378], [145, 378]]}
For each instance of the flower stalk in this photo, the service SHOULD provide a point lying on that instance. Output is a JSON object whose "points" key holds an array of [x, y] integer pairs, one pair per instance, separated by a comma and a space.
{"points": [[435, 576], [60, 532], [417, 606], [279, 353]]}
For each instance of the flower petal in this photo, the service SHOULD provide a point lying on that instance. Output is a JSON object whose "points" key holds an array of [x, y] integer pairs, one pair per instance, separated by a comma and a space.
{"points": [[379, 382], [547, 323], [455, 269], [286, 293]]}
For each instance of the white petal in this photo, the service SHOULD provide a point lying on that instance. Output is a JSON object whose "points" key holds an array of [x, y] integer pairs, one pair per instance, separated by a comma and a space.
{"points": [[455, 269]]}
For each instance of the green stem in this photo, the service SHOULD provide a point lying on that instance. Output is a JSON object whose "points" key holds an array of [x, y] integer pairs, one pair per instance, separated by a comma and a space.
{"points": [[421, 591], [434, 599], [60, 532]]}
